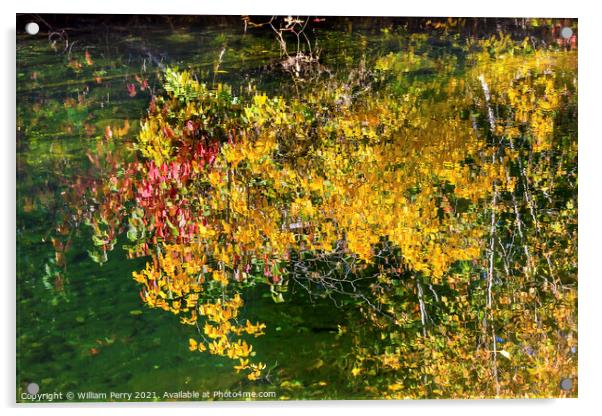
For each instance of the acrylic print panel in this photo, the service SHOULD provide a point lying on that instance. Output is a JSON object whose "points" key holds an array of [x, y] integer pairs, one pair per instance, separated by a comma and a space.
{"points": [[295, 207]]}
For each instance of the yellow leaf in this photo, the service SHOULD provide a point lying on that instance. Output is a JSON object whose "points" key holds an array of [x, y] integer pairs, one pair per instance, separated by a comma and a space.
{"points": [[192, 344]]}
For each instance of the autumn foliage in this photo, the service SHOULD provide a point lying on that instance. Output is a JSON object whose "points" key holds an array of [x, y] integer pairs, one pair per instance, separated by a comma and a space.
{"points": [[445, 208]]}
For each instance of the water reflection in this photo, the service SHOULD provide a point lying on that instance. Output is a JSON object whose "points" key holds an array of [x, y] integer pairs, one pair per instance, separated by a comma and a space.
{"points": [[458, 181]]}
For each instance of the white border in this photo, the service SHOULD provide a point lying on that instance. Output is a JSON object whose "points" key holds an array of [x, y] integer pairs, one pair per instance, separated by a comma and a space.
{"points": [[590, 208]]}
